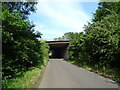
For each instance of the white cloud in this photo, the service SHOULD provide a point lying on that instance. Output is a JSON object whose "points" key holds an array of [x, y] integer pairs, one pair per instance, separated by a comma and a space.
{"points": [[44, 30], [48, 34], [67, 16]]}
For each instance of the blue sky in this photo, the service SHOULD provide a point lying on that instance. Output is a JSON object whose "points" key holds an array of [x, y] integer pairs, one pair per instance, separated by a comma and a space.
{"points": [[53, 19]]}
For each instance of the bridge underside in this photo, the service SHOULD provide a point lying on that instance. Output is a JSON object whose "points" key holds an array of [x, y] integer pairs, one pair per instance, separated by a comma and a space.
{"points": [[59, 49]]}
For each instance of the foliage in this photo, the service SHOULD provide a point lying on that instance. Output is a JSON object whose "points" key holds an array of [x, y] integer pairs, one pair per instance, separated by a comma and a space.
{"points": [[99, 45], [22, 7], [21, 48], [103, 39], [105, 8], [26, 80], [66, 36]]}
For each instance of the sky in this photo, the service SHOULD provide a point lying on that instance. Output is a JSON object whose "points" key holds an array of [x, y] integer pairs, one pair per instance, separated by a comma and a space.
{"points": [[53, 19]]}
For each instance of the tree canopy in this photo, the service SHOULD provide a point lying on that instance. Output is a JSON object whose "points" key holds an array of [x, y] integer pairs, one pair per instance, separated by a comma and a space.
{"points": [[99, 45], [21, 48]]}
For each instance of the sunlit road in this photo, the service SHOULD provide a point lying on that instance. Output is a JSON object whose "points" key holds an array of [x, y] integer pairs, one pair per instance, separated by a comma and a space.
{"points": [[61, 74]]}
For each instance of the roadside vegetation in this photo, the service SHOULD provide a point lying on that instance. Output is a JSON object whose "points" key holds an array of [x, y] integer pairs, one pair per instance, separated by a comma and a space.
{"points": [[98, 47], [23, 55], [25, 80]]}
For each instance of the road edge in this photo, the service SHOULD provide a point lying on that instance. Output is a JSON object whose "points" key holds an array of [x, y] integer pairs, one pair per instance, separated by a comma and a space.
{"points": [[40, 77]]}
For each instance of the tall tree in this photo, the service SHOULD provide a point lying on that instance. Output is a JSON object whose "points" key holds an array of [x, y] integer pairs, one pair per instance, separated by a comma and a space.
{"points": [[21, 49], [106, 8], [25, 8]]}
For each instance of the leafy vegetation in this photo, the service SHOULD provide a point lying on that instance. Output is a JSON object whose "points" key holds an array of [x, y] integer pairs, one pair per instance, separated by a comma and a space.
{"points": [[21, 49], [26, 80], [98, 48]]}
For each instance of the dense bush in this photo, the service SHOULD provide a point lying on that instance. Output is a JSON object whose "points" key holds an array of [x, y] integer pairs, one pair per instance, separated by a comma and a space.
{"points": [[99, 45], [21, 48], [102, 41]]}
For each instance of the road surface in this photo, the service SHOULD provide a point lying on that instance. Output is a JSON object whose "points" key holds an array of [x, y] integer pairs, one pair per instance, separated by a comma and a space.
{"points": [[61, 74]]}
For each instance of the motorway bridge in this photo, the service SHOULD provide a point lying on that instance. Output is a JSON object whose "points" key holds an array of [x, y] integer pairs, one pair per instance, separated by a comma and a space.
{"points": [[59, 48]]}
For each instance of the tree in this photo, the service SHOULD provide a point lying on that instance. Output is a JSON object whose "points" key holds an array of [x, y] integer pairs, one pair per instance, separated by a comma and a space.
{"points": [[25, 8], [103, 40], [68, 35], [21, 48], [106, 8], [99, 45]]}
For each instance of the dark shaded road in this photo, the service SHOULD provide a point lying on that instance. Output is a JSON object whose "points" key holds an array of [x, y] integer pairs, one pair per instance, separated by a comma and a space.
{"points": [[61, 74]]}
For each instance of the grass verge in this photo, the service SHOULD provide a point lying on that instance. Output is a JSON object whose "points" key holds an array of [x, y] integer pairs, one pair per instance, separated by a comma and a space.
{"points": [[111, 73], [27, 80]]}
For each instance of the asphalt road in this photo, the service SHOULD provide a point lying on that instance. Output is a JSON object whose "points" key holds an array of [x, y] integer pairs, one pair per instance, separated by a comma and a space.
{"points": [[61, 74]]}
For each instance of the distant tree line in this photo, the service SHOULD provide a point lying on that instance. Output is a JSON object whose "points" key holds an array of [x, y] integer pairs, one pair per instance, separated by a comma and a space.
{"points": [[64, 37], [22, 50]]}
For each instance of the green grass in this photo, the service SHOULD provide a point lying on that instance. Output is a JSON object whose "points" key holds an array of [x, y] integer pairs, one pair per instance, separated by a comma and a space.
{"points": [[27, 80], [111, 73]]}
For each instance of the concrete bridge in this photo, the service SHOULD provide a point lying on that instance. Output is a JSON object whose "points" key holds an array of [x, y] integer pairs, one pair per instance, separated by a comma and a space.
{"points": [[59, 48]]}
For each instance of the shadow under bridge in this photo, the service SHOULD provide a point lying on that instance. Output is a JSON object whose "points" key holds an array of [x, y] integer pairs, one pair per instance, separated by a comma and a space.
{"points": [[59, 49]]}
